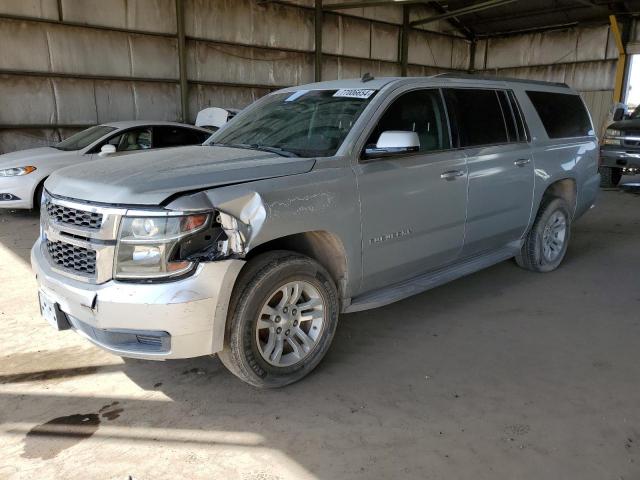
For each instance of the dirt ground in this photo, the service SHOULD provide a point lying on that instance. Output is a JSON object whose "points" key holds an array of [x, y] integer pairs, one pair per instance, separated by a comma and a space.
{"points": [[504, 374]]}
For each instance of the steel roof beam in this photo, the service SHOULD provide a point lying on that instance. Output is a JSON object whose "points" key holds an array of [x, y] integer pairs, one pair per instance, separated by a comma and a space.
{"points": [[529, 13], [368, 3], [457, 24], [463, 11]]}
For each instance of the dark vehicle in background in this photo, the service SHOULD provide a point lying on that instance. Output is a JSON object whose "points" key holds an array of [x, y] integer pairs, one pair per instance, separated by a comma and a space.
{"points": [[620, 149]]}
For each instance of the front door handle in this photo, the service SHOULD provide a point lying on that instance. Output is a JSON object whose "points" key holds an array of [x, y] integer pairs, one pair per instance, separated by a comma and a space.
{"points": [[451, 174], [522, 162]]}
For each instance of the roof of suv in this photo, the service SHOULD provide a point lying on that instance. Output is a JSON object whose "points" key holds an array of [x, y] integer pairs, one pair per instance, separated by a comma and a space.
{"points": [[380, 82]]}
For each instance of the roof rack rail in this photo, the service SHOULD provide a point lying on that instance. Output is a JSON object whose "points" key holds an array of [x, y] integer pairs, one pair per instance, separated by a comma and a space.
{"points": [[467, 76]]}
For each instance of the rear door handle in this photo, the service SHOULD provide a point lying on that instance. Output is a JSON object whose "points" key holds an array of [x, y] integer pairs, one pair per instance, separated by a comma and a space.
{"points": [[522, 162], [451, 174]]}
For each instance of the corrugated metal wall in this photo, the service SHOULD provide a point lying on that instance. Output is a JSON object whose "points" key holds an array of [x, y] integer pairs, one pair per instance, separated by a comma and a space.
{"points": [[584, 58], [66, 64], [70, 63]]}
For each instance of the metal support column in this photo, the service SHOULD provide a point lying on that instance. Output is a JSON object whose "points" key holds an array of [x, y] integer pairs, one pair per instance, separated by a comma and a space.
{"points": [[472, 56], [318, 41], [622, 59], [182, 63], [404, 39]]}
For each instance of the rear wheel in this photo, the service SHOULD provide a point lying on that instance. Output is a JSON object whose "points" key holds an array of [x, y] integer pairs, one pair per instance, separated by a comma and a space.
{"points": [[282, 318], [546, 243], [610, 177]]}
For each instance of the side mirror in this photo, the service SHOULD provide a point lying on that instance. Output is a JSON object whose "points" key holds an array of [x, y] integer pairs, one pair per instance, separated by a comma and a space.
{"points": [[106, 150], [393, 142], [619, 114]]}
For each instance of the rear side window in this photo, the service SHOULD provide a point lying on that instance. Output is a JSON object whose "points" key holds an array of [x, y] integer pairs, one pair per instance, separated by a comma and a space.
{"points": [[509, 119], [563, 115], [170, 136], [477, 116], [523, 133]]}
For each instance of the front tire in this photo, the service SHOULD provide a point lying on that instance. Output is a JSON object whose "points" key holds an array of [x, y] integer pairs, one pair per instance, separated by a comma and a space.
{"points": [[610, 177], [545, 246], [37, 196], [282, 318]]}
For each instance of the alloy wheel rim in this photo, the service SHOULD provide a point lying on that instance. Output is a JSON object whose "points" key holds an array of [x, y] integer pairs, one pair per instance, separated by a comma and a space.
{"points": [[290, 323], [554, 236]]}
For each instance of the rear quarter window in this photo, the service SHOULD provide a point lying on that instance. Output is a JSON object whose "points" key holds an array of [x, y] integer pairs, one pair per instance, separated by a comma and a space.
{"points": [[563, 115]]}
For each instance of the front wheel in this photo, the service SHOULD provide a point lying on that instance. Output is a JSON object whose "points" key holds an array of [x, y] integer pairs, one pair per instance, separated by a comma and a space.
{"points": [[37, 196], [546, 243], [282, 318]]}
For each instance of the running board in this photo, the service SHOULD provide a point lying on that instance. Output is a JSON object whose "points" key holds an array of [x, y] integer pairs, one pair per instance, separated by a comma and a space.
{"points": [[427, 281]]}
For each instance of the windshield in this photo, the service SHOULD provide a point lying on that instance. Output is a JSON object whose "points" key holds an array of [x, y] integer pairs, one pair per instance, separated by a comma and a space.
{"points": [[306, 123], [83, 138], [635, 113]]}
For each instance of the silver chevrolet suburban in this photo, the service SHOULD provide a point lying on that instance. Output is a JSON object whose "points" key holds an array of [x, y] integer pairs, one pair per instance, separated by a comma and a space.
{"points": [[317, 200]]}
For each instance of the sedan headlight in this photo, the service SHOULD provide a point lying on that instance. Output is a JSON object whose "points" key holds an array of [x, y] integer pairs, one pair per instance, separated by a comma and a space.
{"points": [[148, 247], [17, 171], [612, 137]]}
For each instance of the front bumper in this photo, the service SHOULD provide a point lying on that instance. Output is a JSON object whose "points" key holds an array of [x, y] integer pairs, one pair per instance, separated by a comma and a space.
{"points": [[178, 319], [22, 186], [619, 157]]}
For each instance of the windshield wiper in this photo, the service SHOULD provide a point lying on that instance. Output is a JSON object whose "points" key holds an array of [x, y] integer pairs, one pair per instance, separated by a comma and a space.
{"points": [[277, 150], [254, 146]]}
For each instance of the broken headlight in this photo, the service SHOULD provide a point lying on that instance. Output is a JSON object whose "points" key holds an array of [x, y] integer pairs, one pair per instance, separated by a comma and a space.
{"points": [[149, 247]]}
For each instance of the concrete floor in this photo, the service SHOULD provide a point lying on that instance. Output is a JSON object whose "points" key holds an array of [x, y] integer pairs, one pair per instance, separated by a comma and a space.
{"points": [[504, 374]]}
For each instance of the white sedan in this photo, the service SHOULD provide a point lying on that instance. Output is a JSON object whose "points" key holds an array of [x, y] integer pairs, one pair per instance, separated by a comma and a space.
{"points": [[22, 173]]}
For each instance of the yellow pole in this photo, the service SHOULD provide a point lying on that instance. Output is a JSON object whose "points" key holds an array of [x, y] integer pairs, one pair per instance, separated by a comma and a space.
{"points": [[622, 59]]}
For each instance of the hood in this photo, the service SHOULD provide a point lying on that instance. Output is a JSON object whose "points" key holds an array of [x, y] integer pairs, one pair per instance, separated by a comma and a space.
{"points": [[149, 178], [632, 124], [33, 156]]}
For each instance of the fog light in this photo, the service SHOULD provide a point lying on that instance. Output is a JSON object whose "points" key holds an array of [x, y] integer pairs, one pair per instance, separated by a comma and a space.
{"points": [[8, 197]]}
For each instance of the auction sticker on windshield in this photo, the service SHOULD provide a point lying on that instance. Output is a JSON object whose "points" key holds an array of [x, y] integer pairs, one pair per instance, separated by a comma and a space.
{"points": [[354, 93]]}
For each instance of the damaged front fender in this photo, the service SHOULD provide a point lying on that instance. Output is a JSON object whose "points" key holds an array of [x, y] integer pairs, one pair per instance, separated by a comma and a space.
{"points": [[240, 216]]}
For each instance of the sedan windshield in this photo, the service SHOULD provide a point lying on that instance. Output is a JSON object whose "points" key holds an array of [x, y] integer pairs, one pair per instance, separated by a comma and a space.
{"points": [[84, 138], [306, 123]]}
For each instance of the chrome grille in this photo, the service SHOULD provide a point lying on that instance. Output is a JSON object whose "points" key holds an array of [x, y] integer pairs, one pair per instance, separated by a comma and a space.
{"points": [[72, 257], [72, 216]]}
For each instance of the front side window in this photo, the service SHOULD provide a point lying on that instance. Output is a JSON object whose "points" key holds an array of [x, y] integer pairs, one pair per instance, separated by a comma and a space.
{"points": [[311, 123], [563, 115], [131, 140], [419, 111], [477, 115], [84, 138]]}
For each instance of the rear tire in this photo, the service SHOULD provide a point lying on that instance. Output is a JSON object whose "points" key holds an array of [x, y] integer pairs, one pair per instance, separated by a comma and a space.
{"points": [[610, 177], [546, 243], [282, 317]]}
